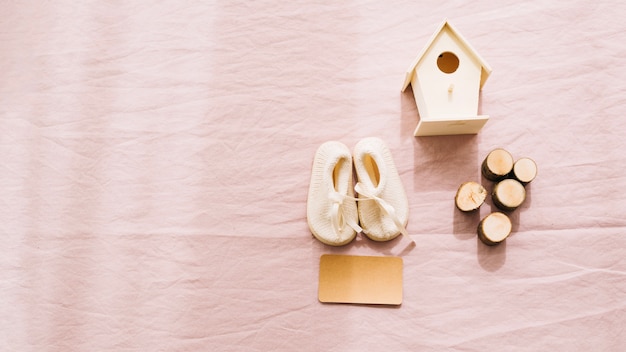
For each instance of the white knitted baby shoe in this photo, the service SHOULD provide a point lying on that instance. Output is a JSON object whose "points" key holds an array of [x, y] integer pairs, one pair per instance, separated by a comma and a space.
{"points": [[331, 206], [383, 205]]}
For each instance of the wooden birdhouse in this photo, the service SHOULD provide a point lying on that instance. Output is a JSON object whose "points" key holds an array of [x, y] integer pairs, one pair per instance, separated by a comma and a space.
{"points": [[446, 78]]}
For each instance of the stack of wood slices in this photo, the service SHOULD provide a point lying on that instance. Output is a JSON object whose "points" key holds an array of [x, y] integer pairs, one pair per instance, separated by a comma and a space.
{"points": [[510, 178]]}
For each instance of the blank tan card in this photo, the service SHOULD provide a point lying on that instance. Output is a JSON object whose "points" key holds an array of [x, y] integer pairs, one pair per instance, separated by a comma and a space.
{"points": [[360, 279]]}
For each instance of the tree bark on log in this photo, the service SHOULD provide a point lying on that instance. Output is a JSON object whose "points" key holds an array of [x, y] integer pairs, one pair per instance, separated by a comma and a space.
{"points": [[470, 196], [524, 170], [508, 194], [494, 228], [497, 165]]}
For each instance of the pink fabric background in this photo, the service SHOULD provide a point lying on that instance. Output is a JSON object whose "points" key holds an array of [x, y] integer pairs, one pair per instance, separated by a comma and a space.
{"points": [[155, 159]]}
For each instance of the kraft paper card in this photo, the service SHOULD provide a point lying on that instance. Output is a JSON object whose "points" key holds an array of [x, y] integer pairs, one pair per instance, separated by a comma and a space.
{"points": [[360, 279]]}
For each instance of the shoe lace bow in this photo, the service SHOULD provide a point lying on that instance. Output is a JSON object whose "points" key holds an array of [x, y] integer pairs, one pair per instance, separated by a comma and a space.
{"points": [[337, 217], [387, 208]]}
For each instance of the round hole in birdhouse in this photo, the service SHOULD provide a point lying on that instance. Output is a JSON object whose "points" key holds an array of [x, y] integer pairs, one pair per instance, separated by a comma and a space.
{"points": [[448, 62]]}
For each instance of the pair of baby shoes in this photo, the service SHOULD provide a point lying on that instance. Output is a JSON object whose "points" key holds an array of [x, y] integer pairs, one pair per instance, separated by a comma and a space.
{"points": [[332, 211]]}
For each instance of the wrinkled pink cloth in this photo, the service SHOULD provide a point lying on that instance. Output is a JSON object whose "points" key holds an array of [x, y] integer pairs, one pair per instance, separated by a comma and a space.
{"points": [[155, 160]]}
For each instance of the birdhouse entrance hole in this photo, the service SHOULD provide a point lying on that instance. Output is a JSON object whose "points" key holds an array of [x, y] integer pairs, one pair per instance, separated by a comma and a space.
{"points": [[448, 62]]}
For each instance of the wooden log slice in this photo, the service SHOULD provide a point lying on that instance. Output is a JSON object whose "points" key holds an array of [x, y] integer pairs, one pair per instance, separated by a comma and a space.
{"points": [[470, 196], [524, 170], [494, 228], [497, 165], [508, 194]]}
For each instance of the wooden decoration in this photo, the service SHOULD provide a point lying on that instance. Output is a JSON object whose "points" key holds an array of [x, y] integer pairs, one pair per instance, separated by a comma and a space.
{"points": [[508, 194], [446, 78], [494, 228], [470, 196], [524, 170], [497, 165]]}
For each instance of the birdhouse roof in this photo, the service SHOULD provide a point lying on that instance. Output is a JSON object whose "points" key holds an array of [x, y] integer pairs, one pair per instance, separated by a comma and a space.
{"points": [[485, 68]]}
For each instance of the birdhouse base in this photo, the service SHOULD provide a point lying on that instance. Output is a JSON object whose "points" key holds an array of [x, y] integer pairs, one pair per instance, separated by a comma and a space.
{"points": [[449, 126]]}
